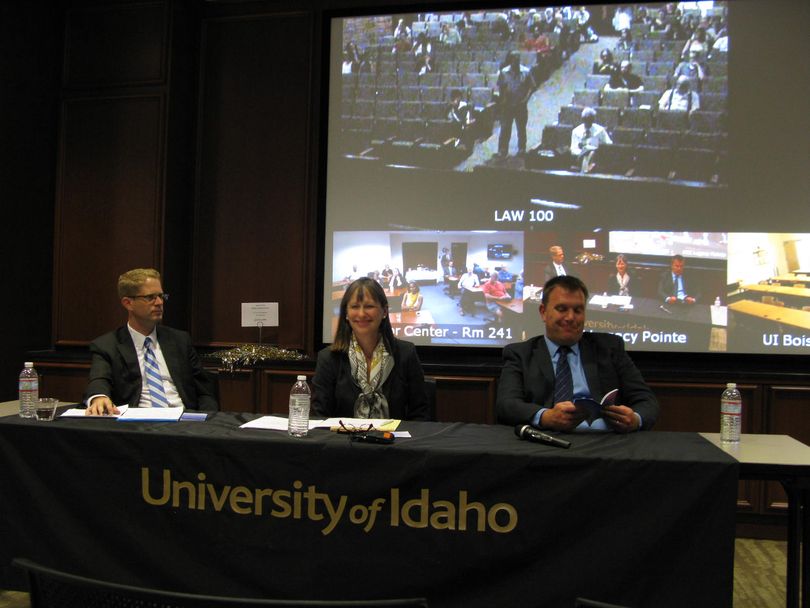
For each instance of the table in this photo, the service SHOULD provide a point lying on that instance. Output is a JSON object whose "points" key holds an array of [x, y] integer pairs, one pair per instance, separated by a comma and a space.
{"points": [[650, 324], [466, 515], [776, 289], [772, 313], [796, 297], [781, 458], [421, 317], [426, 275]]}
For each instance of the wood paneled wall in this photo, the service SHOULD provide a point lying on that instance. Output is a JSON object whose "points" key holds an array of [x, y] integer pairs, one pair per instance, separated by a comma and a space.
{"points": [[31, 52], [254, 220]]}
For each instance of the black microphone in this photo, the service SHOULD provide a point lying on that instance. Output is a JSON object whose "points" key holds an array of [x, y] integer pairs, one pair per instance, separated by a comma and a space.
{"points": [[529, 433]]}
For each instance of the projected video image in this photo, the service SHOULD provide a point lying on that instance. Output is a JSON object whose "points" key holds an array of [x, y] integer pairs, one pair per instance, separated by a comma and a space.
{"points": [[632, 92], [619, 139], [463, 288], [769, 291], [442, 288]]}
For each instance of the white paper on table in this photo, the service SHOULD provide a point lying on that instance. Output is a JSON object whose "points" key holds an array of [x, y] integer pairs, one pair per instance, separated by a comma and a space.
{"points": [[275, 423], [152, 414], [80, 412], [605, 300]]}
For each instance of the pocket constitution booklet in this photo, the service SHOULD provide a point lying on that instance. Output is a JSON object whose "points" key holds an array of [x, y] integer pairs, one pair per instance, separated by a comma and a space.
{"points": [[593, 407]]}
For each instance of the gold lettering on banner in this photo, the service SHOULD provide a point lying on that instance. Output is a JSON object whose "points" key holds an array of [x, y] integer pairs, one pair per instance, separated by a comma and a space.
{"points": [[260, 495], [444, 518], [445, 515], [421, 521], [280, 500], [241, 497], [464, 508], [178, 487], [511, 513], [167, 476], [297, 503]]}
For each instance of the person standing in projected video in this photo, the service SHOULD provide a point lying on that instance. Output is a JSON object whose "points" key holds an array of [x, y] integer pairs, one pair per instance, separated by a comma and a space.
{"points": [[542, 376], [673, 287], [515, 86], [367, 372], [555, 267]]}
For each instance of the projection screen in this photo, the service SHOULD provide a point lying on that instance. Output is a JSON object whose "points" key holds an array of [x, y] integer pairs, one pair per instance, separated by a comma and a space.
{"points": [[687, 148]]}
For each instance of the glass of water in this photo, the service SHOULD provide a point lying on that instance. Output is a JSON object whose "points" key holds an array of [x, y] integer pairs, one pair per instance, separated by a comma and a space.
{"points": [[46, 408]]}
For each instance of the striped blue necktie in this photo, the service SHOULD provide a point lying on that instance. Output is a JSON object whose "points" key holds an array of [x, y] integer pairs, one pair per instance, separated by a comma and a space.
{"points": [[563, 381], [153, 378]]}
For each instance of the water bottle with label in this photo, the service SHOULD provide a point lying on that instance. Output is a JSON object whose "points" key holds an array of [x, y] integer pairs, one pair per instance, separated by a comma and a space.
{"points": [[298, 422], [730, 414], [29, 391]]}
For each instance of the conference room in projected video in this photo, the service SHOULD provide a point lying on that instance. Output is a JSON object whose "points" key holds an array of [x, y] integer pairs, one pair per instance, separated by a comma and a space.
{"points": [[657, 290]]}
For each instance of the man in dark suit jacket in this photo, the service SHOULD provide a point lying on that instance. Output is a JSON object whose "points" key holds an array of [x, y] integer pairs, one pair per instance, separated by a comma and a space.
{"points": [[598, 364], [117, 366], [672, 288], [555, 267]]}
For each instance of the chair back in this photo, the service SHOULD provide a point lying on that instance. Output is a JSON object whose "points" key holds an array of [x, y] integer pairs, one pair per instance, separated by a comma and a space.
{"points": [[51, 588], [582, 602], [430, 391]]}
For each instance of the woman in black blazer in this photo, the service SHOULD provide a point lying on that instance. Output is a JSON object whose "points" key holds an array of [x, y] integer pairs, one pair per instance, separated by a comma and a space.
{"points": [[622, 282], [367, 372]]}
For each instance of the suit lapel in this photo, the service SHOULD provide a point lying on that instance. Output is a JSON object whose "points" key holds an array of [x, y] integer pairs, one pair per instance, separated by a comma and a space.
{"points": [[169, 349], [587, 353], [126, 348], [542, 356]]}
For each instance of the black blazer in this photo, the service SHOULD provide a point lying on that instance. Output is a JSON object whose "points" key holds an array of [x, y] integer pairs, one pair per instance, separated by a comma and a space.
{"points": [[666, 286], [613, 286], [527, 378], [114, 369], [404, 389]]}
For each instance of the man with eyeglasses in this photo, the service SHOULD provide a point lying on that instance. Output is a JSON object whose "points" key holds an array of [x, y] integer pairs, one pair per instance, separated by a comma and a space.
{"points": [[145, 364]]}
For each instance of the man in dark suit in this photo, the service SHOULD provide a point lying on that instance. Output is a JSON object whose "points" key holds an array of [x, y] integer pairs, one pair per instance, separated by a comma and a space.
{"points": [[673, 288], [145, 364], [598, 364], [555, 267]]}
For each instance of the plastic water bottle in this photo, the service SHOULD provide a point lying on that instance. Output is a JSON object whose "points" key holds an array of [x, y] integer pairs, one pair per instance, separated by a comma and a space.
{"points": [[730, 413], [29, 391], [298, 422]]}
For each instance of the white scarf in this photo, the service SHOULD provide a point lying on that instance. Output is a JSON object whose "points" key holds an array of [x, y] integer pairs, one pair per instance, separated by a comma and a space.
{"points": [[623, 282], [371, 403]]}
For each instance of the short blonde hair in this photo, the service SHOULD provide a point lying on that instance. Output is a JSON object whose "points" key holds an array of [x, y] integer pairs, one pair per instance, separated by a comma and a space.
{"points": [[130, 281]]}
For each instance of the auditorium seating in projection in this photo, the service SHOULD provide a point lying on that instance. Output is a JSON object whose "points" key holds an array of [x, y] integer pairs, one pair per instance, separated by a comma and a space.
{"points": [[389, 112]]}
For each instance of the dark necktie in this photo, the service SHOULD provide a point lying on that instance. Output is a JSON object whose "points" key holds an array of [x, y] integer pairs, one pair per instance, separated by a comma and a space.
{"points": [[563, 381]]}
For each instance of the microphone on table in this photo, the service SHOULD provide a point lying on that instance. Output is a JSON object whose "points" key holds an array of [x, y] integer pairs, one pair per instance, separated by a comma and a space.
{"points": [[529, 433]]}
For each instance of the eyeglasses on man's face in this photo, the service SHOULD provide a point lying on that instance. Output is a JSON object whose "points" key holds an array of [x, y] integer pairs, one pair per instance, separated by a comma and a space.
{"points": [[151, 297]]}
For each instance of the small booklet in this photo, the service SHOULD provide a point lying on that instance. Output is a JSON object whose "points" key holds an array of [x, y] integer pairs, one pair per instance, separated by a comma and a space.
{"points": [[594, 407]]}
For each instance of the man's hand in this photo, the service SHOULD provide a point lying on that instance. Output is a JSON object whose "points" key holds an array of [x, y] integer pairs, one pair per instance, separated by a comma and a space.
{"points": [[100, 406], [564, 416], [622, 418]]}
